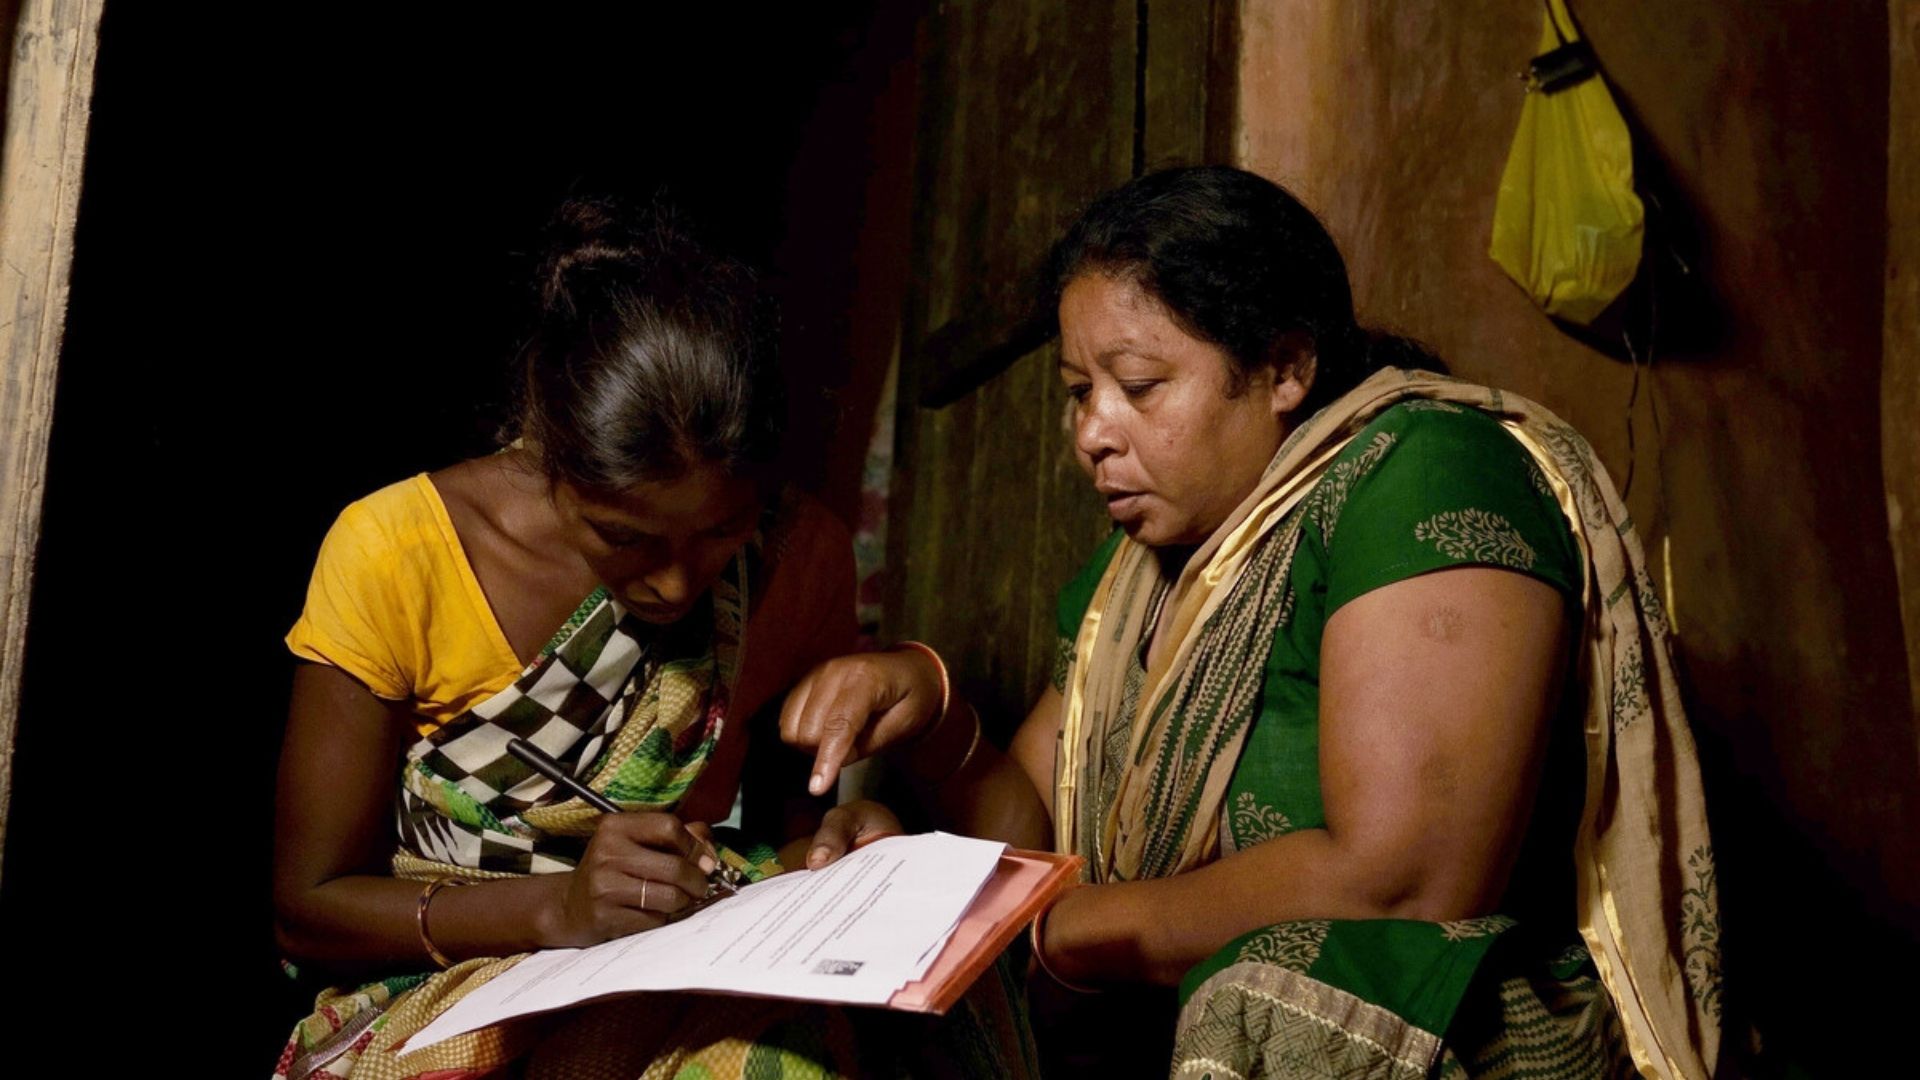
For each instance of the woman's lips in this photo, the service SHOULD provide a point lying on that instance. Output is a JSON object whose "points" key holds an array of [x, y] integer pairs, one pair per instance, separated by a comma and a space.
{"points": [[658, 614]]}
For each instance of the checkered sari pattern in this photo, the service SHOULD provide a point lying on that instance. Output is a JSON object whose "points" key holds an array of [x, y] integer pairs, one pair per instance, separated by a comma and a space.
{"points": [[632, 710]]}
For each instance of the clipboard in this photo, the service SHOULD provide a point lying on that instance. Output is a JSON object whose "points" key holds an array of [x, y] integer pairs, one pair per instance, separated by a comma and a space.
{"points": [[1022, 886]]}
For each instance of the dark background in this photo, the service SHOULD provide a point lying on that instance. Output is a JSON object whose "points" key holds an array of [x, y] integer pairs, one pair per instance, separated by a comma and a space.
{"points": [[301, 271]]}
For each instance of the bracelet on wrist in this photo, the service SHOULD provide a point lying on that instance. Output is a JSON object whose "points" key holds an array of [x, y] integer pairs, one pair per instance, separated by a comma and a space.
{"points": [[1037, 935], [946, 684], [420, 917], [973, 744]]}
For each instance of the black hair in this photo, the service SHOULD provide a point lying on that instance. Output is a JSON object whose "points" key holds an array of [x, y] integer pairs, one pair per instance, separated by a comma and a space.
{"points": [[1238, 262], [651, 354]]}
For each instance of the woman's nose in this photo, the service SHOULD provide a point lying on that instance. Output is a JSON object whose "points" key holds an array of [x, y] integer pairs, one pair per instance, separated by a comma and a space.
{"points": [[671, 582], [1095, 435]]}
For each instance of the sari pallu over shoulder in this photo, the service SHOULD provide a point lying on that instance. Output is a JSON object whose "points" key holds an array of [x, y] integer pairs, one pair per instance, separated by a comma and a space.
{"points": [[633, 710]]}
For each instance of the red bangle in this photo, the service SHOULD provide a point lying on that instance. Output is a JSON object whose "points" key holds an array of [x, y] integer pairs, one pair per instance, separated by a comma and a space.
{"points": [[946, 685]]}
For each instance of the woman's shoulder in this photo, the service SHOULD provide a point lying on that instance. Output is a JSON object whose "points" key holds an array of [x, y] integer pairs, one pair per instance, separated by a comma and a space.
{"points": [[1429, 446], [396, 505], [394, 602], [357, 601], [1431, 427], [372, 532], [1429, 484], [429, 521], [390, 558]]}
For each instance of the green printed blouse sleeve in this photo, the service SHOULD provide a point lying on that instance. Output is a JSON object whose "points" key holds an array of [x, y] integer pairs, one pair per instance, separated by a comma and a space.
{"points": [[1432, 486]]}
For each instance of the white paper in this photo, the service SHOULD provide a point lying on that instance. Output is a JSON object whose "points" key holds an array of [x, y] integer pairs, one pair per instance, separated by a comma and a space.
{"points": [[855, 933]]}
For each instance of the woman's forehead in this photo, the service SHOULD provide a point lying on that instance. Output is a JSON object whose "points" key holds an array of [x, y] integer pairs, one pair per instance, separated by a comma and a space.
{"points": [[1103, 318], [705, 496]]}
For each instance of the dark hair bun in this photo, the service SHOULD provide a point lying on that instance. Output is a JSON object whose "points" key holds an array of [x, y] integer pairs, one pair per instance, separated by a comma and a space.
{"points": [[651, 352], [596, 246]]}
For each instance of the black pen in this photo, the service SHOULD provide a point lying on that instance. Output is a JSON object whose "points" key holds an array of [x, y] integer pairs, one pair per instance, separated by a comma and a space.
{"points": [[722, 875], [537, 760]]}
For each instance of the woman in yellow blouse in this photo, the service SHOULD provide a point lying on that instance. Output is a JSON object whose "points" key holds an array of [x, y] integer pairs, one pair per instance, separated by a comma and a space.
{"points": [[622, 587]]}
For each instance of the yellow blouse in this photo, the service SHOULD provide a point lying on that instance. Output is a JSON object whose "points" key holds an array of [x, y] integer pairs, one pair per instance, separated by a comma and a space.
{"points": [[395, 604]]}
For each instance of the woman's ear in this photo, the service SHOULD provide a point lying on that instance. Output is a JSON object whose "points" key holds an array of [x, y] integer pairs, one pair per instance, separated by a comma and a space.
{"points": [[1295, 364]]}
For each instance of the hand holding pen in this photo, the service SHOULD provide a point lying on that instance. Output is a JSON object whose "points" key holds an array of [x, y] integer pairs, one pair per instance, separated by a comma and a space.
{"points": [[720, 877]]}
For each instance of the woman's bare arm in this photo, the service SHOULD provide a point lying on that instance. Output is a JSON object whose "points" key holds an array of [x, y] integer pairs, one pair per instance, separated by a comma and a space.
{"points": [[335, 903], [1435, 698]]}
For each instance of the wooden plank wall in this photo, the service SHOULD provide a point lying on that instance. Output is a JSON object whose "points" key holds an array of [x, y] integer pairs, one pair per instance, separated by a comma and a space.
{"points": [[1028, 108], [1900, 366], [1773, 121], [48, 71]]}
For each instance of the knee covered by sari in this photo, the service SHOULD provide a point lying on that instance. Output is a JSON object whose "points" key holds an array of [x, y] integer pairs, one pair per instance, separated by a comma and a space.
{"points": [[635, 711], [1598, 965]]}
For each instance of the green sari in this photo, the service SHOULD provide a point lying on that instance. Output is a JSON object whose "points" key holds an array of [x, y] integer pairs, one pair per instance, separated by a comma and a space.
{"points": [[1161, 771]]}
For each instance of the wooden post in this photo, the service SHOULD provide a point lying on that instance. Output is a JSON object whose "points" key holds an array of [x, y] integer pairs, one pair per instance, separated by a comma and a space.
{"points": [[51, 47], [1900, 363]]}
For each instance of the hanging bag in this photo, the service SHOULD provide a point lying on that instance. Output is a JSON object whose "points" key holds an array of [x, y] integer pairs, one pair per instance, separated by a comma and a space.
{"points": [[1567, 226]]}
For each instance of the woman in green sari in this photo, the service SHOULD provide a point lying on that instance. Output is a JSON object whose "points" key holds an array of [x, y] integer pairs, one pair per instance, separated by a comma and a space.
{"points": [[1364, 718], [624, 587]]}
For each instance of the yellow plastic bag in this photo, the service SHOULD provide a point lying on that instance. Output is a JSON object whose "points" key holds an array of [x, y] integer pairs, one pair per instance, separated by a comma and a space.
{"points": [[1567, 225]]}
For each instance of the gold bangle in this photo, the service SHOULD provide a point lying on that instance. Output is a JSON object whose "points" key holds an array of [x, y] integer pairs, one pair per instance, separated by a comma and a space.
{"points": [[420, 917], [1036, 933], [946, 684]]}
